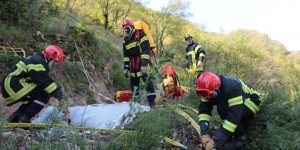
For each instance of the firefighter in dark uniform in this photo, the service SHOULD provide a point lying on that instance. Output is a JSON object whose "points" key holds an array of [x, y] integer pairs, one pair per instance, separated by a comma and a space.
{"points": [[136, 50], [195, 56], [236, 102], [29, 81]]}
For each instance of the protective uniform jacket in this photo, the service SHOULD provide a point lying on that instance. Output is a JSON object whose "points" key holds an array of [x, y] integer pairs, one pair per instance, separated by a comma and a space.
{"points": [[234, 97], [136, 50], [194, 53], [27, 75]]}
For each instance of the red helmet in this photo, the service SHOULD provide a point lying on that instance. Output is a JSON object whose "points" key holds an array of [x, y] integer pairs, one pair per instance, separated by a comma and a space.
{"points": [[207, 83], [127, 22], [54, 52]]}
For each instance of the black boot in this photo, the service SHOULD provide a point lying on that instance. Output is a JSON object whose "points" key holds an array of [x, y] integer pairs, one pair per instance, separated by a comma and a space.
{"points": [[30, 111], [14, 117], [152, 104], [24, 119]]}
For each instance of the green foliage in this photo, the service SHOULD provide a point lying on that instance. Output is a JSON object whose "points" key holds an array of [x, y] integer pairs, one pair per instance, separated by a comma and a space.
{"points": [[77, 82], [10, 145], [8, 59], [26, 13], [99, 63], [277, 124], [7, 30], [150, 126], [117, 77]]}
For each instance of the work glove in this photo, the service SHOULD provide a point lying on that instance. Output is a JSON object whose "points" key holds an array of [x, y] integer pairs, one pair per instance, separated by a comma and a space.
{"points": [[126, 73], [199, 64], [205, 139], [210, 145], [191, 71], [57, 94], [144, 69]]}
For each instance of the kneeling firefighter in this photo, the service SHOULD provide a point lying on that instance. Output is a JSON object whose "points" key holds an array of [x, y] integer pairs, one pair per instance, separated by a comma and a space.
{"points": [[170, 86], [29, 81]]}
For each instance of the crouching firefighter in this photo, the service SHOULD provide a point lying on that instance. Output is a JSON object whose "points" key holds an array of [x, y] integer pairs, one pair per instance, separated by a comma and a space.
{"points": [[29, 81], [136, 50], [237, 104], [170, 86]]}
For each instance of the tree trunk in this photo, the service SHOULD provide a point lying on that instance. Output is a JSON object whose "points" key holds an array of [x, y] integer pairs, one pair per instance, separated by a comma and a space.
{"points": [[105, 14], [68, 4]]}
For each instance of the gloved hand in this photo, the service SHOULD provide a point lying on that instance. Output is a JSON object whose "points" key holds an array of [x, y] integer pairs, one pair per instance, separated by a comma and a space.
{"points": [[192, 71], [210, 145], [205, 139], [57, 94], [199, 64], [126, 73], [144, 69], [64, 108]]}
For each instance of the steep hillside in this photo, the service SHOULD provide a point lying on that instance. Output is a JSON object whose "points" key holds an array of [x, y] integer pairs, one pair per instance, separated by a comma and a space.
{"points": [[93, 68]]}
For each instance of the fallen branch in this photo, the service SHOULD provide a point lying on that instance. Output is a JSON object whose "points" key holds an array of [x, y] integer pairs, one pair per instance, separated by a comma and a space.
{"points": [[89, 79], [84, 70]]}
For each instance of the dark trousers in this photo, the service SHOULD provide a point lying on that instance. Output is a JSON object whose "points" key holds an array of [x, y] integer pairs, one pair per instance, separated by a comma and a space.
{"points": [[134, 83], [232, 143], [35, 103]]}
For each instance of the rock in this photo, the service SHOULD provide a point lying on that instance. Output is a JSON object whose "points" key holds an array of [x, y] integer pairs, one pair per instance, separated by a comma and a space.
{"points": [[8, 134], [40, 36]]}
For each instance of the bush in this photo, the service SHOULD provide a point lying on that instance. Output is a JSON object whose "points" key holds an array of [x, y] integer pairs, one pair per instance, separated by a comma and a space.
{"points": [[150, 126], [276, 125], [25, 13], [8, 60]]}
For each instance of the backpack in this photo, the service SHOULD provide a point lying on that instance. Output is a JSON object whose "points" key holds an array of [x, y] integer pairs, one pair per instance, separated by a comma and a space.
{"points": [[143, 25], [170, 87]]}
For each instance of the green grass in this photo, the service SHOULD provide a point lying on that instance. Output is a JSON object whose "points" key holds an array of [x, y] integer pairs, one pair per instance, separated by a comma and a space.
{"points": [[10, 30], [119, 82]]}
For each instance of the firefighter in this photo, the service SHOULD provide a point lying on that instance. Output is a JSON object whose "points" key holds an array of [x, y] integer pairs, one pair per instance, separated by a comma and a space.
{"points": [[237, 104], [195, 56], [29, 81], [136, 50]]}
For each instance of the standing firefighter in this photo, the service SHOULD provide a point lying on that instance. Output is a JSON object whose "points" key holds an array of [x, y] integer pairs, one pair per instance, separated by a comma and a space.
{"points": [[29, 81], [236, 102], [136, 50], [195, 56]]}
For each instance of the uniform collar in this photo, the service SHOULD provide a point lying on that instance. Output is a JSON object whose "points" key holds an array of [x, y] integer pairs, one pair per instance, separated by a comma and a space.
{"points": [[191, 43]]}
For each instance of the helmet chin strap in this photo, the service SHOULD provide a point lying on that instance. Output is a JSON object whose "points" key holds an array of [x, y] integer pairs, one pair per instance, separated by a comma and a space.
{"points": [[131, 32], [215, 93], [48, 60]]}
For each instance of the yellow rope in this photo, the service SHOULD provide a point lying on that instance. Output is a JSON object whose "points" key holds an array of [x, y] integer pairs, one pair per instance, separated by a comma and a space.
{"points": [[182, 106], [185, 115], [42, 125]]}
